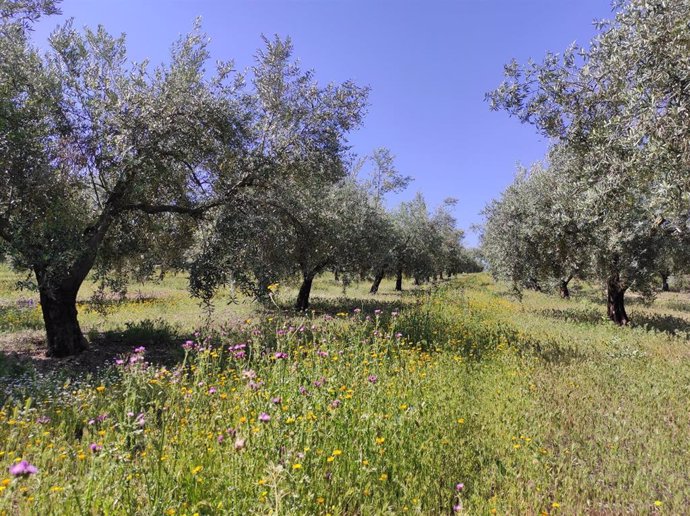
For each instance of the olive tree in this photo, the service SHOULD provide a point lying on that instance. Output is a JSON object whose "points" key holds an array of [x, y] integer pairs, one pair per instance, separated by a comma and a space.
{"points": [[93, 146], [382, 179], [536, 233], [426, 242], [619, 109], [295, 232], [449, 250], [309, 216]]}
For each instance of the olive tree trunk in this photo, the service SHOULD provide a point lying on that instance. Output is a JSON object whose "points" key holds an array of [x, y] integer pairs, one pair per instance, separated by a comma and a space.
{"points": [[302, 302], [664, 283], [377, 280], [62, 327], [398, 279], [565, 293], [616, 300]]}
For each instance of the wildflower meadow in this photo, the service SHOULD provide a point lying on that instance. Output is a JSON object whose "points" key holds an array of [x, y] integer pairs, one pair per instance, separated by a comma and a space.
{"points": [[456, 398]]}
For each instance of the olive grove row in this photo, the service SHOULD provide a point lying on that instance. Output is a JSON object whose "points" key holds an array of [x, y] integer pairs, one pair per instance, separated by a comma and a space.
{"points": [[115, 169], [611, 200]]}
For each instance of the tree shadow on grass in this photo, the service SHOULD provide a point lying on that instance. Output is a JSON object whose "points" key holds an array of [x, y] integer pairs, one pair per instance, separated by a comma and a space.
{"points": [[334, 306], [680, 306], [26, 351], [664, 323], [557, 354], [161, 339], [576, 315]]}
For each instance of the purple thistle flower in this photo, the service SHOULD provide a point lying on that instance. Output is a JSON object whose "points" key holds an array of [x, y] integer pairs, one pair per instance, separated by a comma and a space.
{"points": [[255, 386], [322, 353], [43, 420], [264, 418], [248, 374], [459, 487], [377, 312], [23, 469], [280, 355], [335, 403], [277, 400], [212, 390], [457, 508], [119, 361], [320, 382], [140, 349], [303, 390], [373, 378], [188, 345], [95, 448]]}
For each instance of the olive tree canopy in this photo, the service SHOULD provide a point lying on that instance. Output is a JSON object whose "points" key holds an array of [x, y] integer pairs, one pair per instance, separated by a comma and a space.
{"points": [[618, 112], [104, 161]]}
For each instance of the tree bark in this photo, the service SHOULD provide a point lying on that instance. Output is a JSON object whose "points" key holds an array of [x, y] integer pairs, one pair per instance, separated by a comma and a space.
{"points": [[565, 293], [398, 280], [616, 301], [533, 284], [62, 327], [377, 280], [664, 283], [302, 302]]}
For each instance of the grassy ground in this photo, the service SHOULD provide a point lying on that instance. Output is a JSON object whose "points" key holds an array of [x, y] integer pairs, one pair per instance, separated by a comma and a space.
{"points": [[539, 406]]}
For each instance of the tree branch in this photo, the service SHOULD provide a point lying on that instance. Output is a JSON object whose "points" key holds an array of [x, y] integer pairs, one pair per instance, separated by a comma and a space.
{"points": [[194, 211]]}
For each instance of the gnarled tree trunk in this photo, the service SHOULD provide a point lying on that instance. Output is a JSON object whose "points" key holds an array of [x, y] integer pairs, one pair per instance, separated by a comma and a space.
{"points": [[377, 280], [664, 283], [398, 279], [302, 302], [62, 327], [565, 293], [533, 284], [615, 300]]}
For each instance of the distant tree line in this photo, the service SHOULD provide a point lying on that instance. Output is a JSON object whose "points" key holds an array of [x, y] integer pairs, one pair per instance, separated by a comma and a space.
{"points": [[611, 200], [118, 170]]}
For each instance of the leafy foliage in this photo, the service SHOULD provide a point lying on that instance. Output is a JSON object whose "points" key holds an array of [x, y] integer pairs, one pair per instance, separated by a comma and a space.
{"points": [[617, 112]]}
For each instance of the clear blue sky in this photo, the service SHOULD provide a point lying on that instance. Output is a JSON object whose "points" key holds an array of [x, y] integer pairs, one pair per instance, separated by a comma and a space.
{"points": [[428, 63]]}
